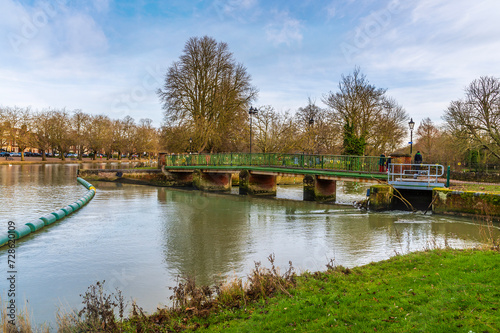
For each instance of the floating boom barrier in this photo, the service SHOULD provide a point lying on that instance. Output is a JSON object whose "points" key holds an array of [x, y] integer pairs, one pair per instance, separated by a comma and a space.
{"points": [[20, 231]]}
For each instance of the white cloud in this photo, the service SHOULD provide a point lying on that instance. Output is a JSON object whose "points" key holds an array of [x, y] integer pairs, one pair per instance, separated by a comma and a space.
{"points": [[241, 10], [284, 29], [101, 5], [331, 10], [10, 14], [47, 30], [83, 35]]}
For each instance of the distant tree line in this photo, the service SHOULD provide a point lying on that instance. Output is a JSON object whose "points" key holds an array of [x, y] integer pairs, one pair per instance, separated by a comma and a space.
{"points": [[62, 131]]}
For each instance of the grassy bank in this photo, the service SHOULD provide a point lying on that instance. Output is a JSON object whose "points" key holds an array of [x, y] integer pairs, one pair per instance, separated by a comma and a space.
{"points": [[442, 290], [434, 291], [476, 187]]}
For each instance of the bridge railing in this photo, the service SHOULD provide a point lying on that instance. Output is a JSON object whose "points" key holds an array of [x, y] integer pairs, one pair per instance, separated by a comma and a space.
{"points": [[367, 164], [400, 172]]}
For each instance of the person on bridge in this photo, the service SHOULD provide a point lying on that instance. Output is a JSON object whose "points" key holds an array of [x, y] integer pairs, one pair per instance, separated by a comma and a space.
{"points": [[381, 163], [418, 159], [388, 162]]}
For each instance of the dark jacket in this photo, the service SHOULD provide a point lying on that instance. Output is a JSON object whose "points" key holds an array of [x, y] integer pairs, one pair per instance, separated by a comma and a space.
{"points": [[418, 158], [381, 161]]}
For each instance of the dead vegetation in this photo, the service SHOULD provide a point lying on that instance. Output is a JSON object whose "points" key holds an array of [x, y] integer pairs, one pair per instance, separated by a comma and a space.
{"points": [[190, 303]]}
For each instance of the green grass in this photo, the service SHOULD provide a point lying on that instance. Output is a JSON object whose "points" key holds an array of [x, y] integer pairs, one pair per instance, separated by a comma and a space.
{"points": [[476, 187], [441, 290], [434, 291], [144, 168]]}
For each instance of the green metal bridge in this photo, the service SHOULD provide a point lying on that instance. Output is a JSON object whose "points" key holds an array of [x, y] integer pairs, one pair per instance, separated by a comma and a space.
{"points": [[359, 168]]}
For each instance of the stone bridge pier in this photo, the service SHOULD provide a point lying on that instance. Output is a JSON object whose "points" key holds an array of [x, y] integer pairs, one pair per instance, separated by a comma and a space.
{"points": [[179, 177], [318, 188], [212, 181], [258, 183]]}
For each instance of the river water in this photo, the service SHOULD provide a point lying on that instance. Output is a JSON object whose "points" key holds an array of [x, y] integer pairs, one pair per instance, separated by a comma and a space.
{"points": [[140, 238]]}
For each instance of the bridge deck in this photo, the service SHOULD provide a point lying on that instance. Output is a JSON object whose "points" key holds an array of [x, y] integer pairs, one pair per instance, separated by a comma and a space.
{"points": [[286, 171]]}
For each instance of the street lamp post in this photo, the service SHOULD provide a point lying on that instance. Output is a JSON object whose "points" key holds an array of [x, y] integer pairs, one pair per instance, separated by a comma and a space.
{"points": [[190, 145], [251, 112], [411, 123], [311, 122]]}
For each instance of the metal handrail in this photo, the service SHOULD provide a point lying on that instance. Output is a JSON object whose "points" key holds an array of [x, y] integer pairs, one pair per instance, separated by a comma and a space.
{"points": [[369, 164], [401, 172]]}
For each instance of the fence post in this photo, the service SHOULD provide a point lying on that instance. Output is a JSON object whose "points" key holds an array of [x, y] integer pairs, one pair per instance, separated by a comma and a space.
{"points": [[448, 177]]}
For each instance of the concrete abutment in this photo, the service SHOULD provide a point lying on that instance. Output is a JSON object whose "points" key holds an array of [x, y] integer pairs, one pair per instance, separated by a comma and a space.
{"points": [[319, 189], [380, 197], [257, 183], [212, 181]]}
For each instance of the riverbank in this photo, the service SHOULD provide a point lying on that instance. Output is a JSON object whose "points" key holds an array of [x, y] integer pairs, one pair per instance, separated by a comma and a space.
{"points": [[439, 290], [55, 160]]}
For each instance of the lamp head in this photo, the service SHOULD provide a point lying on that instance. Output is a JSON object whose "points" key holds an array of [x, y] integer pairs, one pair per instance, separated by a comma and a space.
{"points": [[411, 123]]}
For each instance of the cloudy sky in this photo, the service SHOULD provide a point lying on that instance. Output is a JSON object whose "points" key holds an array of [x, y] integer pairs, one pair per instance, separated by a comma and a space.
{"points": [[109, 57]]}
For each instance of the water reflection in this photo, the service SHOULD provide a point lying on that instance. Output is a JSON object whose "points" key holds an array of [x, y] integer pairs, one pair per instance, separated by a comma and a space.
{"points": [[204, 235]]}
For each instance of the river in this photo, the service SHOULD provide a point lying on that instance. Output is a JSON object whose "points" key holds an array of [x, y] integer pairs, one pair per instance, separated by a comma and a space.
{"points": [[140, 238]]}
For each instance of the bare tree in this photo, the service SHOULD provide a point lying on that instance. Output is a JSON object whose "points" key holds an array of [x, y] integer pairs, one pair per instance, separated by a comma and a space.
{"points": [[428, 136], [119, 137], [79, 122], [476, 119], [389, 128], [273, 131], [176, 138], [4, 136], [207, 91], [124, 136], [60, 131], [42, 132], [146, 138], [318, 133], [18, 126], [99, 134], [361, 108]]}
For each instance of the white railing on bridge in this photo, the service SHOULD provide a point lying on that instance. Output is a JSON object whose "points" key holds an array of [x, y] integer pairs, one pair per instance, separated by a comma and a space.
{"points": [[425, 176]]}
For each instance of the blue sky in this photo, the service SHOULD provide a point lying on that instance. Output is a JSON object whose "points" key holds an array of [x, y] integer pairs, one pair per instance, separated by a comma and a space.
{"points": [[110, 57]]}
